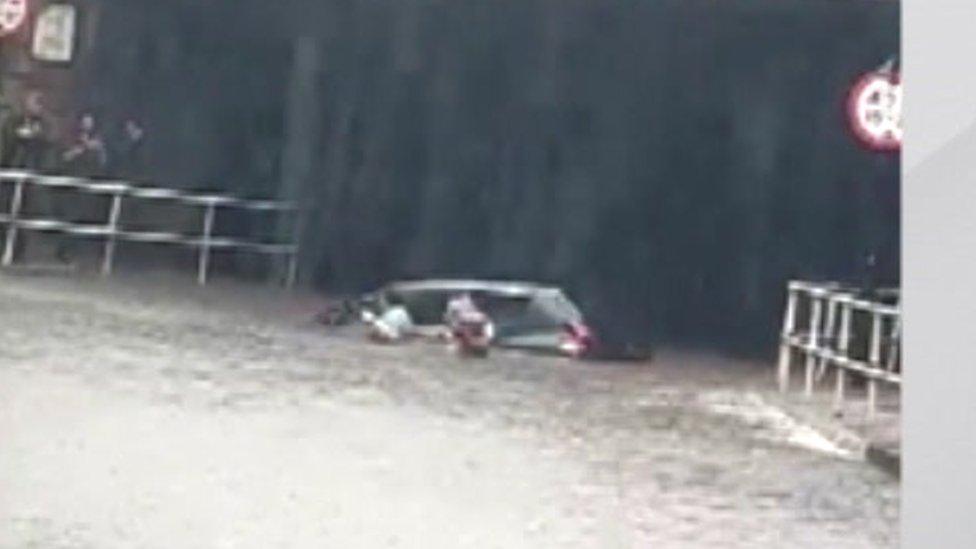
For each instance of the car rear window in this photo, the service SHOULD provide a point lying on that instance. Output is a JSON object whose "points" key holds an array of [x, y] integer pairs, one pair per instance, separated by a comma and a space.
{"points": [[516, 315], [555, 304]]}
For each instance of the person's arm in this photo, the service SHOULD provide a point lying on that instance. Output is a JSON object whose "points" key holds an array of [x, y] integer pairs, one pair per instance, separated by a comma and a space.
{"points": [[25, 130], [99, 147], [34, 128], [73, 152]]}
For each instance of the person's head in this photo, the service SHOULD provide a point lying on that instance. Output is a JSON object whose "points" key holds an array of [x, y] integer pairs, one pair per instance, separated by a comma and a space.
{"points": [[87, 122], [33, 103], [133, 130], [468, 299]]}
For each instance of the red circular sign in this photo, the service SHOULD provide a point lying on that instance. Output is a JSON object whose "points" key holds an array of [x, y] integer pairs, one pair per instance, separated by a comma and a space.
{"points": [[874, 110], [13, 13]]}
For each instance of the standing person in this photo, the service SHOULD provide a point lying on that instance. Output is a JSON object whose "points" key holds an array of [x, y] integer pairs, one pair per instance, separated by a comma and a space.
{"points": [[86, 156], [6, 113], [129, 156], [29, 137], [26, 144]]}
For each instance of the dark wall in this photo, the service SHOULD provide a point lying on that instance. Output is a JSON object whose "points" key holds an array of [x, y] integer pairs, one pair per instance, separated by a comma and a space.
{"points": [[671, 163]]}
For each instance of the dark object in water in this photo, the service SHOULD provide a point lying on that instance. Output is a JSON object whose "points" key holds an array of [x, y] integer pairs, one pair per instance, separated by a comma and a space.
{"points": [[340, 313]]}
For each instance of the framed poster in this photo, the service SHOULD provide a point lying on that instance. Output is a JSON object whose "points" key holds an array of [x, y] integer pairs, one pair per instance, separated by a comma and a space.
{"points": [[54, 34]]}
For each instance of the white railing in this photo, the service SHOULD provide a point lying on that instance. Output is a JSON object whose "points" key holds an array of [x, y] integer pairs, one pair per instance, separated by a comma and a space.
{"points": [[111, 231], [830, 335]]}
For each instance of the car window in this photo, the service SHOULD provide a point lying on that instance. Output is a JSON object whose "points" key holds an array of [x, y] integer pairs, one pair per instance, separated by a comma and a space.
{"points": [[425, 307], [555, 304], [503, 309], [541, 311], [514, 315]]}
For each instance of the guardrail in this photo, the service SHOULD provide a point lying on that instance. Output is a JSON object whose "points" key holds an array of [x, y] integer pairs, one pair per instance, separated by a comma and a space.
{"points": [[112, 233], [840, 330]]}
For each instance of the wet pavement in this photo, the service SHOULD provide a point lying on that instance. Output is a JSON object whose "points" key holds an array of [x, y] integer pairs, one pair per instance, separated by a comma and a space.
{"points": [[138, 413]]}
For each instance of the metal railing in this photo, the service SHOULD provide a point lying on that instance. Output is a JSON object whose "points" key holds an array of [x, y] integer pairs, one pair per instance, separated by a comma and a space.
{"points": [[853, 336], [112, 233]]}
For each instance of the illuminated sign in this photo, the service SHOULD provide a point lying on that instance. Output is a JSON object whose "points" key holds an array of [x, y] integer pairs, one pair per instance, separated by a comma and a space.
{"points": [[13, 13], [874, 109]]}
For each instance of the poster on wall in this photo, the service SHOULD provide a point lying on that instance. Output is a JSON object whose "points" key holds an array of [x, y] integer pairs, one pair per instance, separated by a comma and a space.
{"points": [[54, 34], [13, 14]]}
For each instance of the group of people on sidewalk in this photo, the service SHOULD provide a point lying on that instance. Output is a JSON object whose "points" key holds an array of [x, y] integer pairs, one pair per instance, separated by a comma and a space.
{"points": [[27, 141]]}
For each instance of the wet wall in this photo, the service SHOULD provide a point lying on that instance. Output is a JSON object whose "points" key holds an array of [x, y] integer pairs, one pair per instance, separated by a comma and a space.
{"points": [[670, 163]]}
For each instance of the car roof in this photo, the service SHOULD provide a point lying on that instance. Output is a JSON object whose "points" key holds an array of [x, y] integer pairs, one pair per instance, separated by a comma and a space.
{"points": [[513, 288]]}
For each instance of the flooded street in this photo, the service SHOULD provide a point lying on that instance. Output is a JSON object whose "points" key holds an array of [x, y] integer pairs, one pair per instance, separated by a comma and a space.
{"points": [[211, 418]]}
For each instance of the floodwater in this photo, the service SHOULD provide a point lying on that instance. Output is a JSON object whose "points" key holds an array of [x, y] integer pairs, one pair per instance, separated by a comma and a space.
{"points": [[142, 414]]}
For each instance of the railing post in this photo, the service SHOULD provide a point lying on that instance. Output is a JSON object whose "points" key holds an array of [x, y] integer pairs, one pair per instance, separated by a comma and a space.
{"points": [[894, 343], [292, 269], [785, 348], [875, 361], [839, 390], [15, 203], [872, 398], [843, 345], [875, 357], [829, 342], [298, 229], [112, 227], [204, 259], [813, 346]]}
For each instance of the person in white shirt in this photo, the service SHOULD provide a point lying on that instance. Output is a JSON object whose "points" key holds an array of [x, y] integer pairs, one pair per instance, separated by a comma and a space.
{"points": [[393, 324], [462, 312]]}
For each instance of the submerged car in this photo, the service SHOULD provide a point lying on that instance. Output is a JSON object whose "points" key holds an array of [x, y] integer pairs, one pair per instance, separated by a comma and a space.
{"points": [[525, 315]]}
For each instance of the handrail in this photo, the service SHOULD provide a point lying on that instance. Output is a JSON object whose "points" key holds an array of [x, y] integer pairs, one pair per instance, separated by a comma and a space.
{"points": [[141, 191], [826, 343], [110, 230]]}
